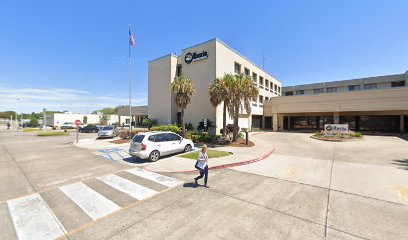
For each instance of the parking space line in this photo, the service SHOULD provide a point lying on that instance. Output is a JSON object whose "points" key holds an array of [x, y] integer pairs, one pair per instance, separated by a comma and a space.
{"points": [[155, 177], [134, 190], [33, 219], [91, 202]]}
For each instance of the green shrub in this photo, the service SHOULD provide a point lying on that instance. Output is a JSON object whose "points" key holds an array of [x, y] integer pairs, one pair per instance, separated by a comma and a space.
{"points": [[189, 126], [358, 134], [210, 124], [149, 122], [172, 128], [124, 134]]}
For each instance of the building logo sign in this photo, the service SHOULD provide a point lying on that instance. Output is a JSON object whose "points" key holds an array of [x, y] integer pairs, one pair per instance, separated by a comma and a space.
{"points": [[336, 127], [194, 57]]}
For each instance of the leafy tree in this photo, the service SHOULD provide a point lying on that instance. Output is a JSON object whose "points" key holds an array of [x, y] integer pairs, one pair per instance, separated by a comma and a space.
{"points": [[33, 121], [240, 92], [183, 89], [107, 111], [85, 120], [219, 93], [149, 122], [103, 120]]}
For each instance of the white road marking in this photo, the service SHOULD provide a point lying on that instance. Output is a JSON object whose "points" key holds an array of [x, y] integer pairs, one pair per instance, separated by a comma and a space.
{"points": [[33, 219], [163, 180], [91, 202], [133, 189]]}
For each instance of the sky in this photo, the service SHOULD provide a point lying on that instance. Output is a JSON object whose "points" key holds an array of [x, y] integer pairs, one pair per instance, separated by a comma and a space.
{"points": [[73, 55]]}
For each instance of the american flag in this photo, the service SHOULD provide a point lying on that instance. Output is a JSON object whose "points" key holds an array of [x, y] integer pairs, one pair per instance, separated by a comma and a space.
{"points": [[131, 39]]}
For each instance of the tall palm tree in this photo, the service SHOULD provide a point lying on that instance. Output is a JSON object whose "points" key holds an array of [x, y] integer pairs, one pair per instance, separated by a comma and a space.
{"points": [[183, 89], [219, 93], [241, 91]]}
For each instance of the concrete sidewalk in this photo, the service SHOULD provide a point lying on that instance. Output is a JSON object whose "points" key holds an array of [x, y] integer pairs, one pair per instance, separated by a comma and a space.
{"points": [[240, 156]]}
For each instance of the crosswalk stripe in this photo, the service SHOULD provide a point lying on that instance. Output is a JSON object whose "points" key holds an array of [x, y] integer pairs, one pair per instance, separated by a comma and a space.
{"points": [[155, 177], [134, 190], [91, 202], [32, 218]]}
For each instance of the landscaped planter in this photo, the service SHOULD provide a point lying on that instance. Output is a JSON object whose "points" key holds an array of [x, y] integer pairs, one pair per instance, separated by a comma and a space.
{"points": [[337, 136]]}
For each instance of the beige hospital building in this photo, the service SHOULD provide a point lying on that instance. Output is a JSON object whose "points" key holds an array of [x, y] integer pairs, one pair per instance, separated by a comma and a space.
{"points": [[371, 105]]}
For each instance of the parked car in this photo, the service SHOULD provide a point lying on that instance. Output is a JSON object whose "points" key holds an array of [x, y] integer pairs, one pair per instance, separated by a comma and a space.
{"points": [[108, 132], [68, 125], [153, 145], [89, 129]]}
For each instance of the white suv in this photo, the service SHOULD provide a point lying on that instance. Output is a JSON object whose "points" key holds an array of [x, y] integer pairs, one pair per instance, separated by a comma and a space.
{"points": [[152, 145]]}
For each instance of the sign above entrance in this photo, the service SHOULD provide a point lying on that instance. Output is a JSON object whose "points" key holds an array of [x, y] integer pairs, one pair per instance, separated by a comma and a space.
{"points": [[194, 57], [336, 127]]}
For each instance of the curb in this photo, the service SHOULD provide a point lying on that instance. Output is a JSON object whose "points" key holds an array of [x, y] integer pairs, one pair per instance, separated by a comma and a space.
{"points": [[228, 165]]}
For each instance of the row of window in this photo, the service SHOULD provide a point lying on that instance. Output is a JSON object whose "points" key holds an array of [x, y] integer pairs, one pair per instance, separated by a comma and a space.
{"points": [[268, 86], [350, 88]]}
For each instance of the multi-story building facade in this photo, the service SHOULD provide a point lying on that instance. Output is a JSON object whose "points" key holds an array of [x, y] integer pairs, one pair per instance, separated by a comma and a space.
{"points": [[202, 64], [375, 104]]}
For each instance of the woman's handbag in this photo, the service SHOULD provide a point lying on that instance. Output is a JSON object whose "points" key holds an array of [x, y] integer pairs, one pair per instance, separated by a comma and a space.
{"points": [[200, 165]]}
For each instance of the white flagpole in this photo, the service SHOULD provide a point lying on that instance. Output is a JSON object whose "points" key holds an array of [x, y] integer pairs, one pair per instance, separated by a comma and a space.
{"points": [[130, 86]]}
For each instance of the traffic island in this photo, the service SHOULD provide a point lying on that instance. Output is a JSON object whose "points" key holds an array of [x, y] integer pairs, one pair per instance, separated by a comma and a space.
{"points": [[337, 136]]}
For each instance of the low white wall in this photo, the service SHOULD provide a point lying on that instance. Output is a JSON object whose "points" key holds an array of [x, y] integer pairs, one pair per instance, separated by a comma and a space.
{"points": [[57, 119]]}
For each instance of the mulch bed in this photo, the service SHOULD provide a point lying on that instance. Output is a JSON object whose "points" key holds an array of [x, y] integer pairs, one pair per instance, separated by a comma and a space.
{"points": [[120, 141], [240, 143]]}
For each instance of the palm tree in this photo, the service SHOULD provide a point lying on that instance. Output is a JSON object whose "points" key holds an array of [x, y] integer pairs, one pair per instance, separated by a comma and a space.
{"points": [[219, 93], [183, 89], [241, 91]]}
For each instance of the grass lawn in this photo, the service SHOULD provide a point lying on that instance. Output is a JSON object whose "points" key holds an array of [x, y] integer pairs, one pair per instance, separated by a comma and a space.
{"points": [[49, 133], [211, 154], [31, 130]]}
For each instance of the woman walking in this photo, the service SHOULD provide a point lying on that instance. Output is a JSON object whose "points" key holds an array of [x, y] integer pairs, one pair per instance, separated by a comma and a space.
{"points": [[202, 165]]}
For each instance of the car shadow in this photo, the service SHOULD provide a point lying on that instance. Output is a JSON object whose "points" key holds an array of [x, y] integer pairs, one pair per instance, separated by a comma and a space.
{"points": [[402, 164]]}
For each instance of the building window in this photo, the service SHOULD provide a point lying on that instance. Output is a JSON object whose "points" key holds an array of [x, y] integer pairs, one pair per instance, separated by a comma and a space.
{"points": [[290, 93], [178, 70], [271, 83], [266, 98], [398, 84], [267, 84], [370, 86], [276, 88], [354, 87], [260, 99], [246, 71], [254, 77], [237, 68], [331, 89], [279, 90], [300, 92], [261, 83], [318, 90]]}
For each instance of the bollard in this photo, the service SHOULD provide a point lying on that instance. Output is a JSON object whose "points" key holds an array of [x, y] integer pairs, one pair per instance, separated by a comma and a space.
{"points": [[246, 138]]}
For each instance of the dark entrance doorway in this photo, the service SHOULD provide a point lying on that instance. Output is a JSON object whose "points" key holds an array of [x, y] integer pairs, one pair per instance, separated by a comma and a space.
{"points": [[256, 121], [268, 122]]}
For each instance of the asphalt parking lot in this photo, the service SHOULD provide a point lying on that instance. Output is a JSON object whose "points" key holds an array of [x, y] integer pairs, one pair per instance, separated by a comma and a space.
{"points": [[306, 189]]}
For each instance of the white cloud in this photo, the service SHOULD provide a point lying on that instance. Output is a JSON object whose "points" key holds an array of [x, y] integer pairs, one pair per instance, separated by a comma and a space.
{"points": [[35, 99]]}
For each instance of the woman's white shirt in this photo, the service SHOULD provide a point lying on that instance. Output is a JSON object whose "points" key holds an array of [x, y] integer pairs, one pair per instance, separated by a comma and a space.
{"points": [[202, 160]]}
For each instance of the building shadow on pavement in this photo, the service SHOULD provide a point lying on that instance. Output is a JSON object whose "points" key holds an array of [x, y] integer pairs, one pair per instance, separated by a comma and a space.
{"points": [[403, 163]]}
